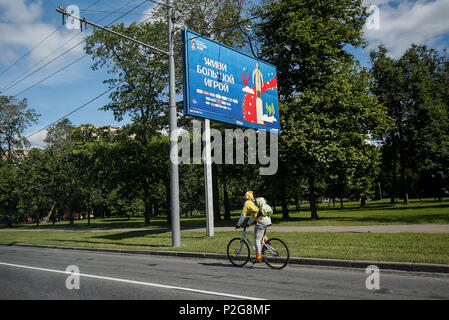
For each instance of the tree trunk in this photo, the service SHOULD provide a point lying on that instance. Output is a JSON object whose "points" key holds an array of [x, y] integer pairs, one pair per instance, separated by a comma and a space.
{"points": [[167, 202], [8, 218], [404, 184], [89, 209], [393, 182], [227, 208], [215, 193], [440, 186], [8, 221], [285, 214], [297, 203], [147, 210], [38, 218], [312, 198]]}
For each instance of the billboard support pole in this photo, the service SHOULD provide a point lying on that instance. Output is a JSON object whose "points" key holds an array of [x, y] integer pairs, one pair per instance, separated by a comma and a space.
{"points": [[208, 180]]}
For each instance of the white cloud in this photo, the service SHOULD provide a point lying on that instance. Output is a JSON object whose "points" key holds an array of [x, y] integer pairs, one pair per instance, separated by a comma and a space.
{"points": [[409, 21], [22, 28], [16, 11], [149, 15], [37, 140]]}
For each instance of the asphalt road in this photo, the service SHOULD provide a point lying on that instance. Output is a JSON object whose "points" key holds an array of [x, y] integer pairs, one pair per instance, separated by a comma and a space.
{"points": [[35, 273]]}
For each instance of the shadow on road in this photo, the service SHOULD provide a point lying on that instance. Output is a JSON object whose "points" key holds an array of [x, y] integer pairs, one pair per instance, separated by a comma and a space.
{"points": [[109, 244], [131, 234]]}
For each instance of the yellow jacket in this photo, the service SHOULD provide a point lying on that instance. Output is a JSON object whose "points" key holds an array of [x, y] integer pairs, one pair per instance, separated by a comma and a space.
{"points": [[249, 208]]}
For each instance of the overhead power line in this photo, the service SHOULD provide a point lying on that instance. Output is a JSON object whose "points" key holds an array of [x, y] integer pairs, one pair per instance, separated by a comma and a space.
{"points": [[21, 78], [115, 12], [39, 43], [83, 20], [29, 51], [40, 68], [83, 105], [75, 110], [51, 75], [61, 69]]}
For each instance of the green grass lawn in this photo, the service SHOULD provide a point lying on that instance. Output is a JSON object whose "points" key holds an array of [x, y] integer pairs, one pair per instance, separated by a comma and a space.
{"points": [[403, 247], [382, 212]]}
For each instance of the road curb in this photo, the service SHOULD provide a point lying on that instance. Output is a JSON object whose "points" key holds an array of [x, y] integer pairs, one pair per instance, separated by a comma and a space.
{"points": [[355, 264]]}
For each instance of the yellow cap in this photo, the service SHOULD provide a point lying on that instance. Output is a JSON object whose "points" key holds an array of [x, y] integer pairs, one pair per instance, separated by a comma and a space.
{"points": [[249, 195]]}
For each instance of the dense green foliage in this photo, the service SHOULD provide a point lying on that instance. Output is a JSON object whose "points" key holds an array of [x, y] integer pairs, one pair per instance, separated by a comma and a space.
{"points": [[414, 88]]}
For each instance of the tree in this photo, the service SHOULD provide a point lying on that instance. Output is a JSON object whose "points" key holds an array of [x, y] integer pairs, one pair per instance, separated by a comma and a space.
{"points": [[327, 106], [65, 187], [37, 184], [216, 19], [414, 88], [140, 73], [15, 117], [137, 169], [9, 193], [389, 87], [306, 40]]}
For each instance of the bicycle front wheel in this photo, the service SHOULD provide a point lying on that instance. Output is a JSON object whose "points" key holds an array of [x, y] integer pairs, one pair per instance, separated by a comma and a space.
{"points": [[238, 252], [276, 253]]}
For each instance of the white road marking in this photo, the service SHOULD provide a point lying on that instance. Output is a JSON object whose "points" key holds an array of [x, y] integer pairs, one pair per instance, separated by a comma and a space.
{"points": [[134, 282]]}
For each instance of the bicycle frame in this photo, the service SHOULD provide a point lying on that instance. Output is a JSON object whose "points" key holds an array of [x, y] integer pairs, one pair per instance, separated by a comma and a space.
{"points": [[251, 244], [245, 237]]}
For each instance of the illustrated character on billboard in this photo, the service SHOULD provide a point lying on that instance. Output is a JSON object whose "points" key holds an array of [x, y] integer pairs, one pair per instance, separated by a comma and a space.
{"points": [[258, 81], [253, 110]]}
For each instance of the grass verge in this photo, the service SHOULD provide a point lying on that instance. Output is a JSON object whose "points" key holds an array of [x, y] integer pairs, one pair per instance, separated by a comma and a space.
{"points": [[399, 247]]}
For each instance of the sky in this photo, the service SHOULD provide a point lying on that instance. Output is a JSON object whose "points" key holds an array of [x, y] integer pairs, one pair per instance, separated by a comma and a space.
{"points": [[25, 23]]}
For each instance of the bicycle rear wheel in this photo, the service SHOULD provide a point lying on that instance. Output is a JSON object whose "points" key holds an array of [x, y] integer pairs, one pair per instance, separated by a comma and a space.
{"points": [[275, 253], [238, 252]]}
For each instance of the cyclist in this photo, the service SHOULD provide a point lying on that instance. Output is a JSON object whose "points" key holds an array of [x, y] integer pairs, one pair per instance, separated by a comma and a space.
{"points": [[262, 222]]}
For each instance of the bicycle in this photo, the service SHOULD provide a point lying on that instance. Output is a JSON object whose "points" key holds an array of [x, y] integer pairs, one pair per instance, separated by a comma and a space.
{"points": [[275, 252]]}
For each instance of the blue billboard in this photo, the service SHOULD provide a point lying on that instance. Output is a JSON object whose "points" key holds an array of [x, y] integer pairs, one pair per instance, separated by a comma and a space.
{"points": [[225, 85]]}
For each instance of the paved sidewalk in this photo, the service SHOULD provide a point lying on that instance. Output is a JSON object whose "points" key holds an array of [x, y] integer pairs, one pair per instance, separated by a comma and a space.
{"points": [[418, 228]]}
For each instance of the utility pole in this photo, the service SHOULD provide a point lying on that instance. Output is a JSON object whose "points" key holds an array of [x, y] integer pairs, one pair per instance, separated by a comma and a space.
{"points": [[174, 176]]}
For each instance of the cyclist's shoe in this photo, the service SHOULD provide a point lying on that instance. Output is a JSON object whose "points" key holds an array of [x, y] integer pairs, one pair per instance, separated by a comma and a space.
{"points": [[258, 258]]}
